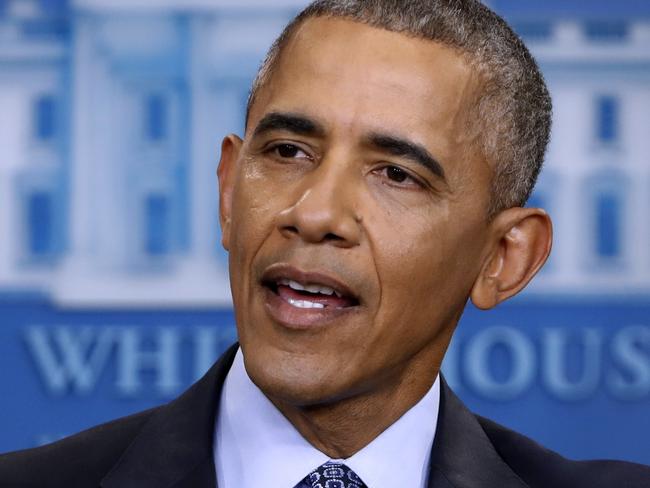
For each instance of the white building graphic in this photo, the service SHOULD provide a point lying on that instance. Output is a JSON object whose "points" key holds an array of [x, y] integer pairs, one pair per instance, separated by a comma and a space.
{"points": [[112, 113]]}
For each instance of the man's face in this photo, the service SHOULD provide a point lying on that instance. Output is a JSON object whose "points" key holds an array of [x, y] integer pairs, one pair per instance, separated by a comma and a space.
{"points": [[354, 212]]}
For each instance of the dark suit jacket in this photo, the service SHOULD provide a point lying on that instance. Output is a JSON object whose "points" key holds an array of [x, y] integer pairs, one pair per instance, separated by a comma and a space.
{"points": [[171, 446]]}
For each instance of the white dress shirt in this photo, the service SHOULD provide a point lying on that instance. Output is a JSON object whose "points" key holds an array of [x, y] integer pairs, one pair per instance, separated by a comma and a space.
{"points": [[256, 446]]}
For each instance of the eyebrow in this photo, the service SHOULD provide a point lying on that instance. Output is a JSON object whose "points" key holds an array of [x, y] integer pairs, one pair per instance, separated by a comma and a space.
{"points": [[396, 146], [298, 124], [417, 153]]}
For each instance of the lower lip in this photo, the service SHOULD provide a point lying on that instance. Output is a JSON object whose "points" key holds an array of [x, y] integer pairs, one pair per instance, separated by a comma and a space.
{"points": [[302, 318]]}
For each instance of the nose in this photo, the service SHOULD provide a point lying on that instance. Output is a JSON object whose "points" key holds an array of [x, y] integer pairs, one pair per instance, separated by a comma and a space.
{"points": [[324, 209]]}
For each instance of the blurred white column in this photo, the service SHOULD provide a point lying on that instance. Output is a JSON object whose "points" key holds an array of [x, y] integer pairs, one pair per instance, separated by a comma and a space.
{"points": [[7, 211], [96, 221], [83, 201], [13, 124], [205, 146]]}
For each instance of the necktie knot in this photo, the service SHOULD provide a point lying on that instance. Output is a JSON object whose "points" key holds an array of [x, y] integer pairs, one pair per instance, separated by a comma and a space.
{"points": [[333, 475]]}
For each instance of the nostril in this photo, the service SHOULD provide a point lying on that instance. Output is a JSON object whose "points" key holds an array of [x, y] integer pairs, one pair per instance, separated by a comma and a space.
{"points": [[332, 237]]}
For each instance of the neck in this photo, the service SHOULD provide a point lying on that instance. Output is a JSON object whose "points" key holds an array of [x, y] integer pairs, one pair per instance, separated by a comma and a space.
{"points": [[343, 427]]}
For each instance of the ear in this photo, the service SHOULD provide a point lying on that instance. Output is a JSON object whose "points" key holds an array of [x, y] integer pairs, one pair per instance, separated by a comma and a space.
{"points": [[521, 240], [230, 148]]}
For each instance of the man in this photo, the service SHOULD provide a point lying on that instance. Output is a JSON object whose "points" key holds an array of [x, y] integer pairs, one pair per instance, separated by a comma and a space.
{"points": [[389, 149]]}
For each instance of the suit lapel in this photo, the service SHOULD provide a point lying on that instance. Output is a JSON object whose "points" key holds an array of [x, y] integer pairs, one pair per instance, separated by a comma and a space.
{"points": [[174, 448], [462, 455]]}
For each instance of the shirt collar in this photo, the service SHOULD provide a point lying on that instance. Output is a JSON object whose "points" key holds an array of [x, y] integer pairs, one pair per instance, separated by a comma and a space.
{"points": [[255, 445]]}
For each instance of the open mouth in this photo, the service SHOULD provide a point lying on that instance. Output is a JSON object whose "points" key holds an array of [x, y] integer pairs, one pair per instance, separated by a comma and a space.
{"points": [[310, 293]]}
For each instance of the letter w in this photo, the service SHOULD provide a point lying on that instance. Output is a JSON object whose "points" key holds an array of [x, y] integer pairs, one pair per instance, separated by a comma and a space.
{"points": [[82, 355]]}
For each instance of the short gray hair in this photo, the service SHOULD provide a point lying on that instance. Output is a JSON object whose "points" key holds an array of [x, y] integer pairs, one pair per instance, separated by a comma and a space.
{"points": [[514, 109]]}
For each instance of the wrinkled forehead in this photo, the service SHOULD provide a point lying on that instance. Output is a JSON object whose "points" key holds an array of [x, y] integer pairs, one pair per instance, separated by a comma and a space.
{"points": [[346, 65]]}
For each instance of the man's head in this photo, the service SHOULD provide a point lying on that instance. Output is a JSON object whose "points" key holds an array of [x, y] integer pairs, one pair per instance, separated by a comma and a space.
{"points": [[358, 209], [513, 113]]}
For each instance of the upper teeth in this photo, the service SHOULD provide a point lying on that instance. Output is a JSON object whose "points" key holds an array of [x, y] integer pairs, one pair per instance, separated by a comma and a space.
{"points": [[312, 288]]}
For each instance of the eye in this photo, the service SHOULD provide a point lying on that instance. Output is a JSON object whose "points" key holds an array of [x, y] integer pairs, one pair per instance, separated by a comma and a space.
{"points": [[289, 151], [396, 174], [399, 176]]}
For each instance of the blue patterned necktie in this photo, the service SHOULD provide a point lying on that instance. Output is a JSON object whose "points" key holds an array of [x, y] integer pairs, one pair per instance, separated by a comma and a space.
{"points": [[332, 475]]}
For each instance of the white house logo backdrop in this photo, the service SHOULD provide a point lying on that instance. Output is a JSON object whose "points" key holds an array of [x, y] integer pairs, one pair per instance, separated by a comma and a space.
{"points": [[113, 286]]}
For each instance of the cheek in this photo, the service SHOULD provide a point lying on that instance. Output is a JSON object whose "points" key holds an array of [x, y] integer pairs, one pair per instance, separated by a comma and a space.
{"points": [[411, 245], [252, 214], [426, 270], [252, 222]]}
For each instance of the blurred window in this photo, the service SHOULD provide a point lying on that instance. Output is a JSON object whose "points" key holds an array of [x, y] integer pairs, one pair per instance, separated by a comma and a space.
{"points": [[606, 30], [607, 119], [535, 201], [44, 113], [155, 117], [608, 225], [55, 7], [157, 217], [40, 223], [46, 29], [533, 30]]}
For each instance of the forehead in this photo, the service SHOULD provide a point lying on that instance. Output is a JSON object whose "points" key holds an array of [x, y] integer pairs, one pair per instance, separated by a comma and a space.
{"points": [[350, 72]]}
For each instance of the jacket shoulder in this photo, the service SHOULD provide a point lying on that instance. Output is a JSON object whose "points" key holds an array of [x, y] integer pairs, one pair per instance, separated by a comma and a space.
{"points": [[80, 460], [540, 467]]}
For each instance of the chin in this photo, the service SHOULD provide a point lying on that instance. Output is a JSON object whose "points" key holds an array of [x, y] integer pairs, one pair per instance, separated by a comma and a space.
{"points": [[295, 380]]}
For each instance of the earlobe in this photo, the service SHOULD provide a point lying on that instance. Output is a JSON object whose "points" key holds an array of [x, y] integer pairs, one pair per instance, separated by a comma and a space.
{"points": [[521, 245], [230, 148]]}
